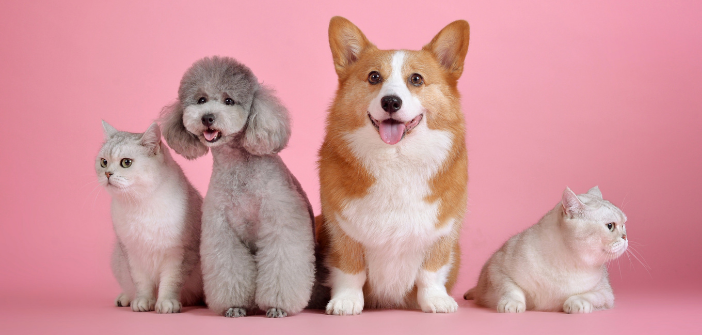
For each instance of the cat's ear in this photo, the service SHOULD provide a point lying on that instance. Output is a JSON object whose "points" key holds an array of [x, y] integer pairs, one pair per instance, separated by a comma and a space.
{"points": [[177, 137], [268, 127], [151, 139], [570, 203], [595, 191], [109, 130]]}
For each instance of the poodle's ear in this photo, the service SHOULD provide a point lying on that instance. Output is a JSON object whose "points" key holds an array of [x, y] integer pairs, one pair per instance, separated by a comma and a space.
{"points": [[268, 128], [177, 137]]}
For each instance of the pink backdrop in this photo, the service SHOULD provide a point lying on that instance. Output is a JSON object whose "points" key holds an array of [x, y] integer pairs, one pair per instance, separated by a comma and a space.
{"points": [[555, 93]]}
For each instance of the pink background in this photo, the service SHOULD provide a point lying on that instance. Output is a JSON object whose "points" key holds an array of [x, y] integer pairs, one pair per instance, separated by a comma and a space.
{"points": [[555, 94]]}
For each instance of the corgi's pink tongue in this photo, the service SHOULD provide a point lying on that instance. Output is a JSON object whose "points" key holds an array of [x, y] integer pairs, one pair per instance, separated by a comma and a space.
{"points": [[391, 131], [210, 134]]}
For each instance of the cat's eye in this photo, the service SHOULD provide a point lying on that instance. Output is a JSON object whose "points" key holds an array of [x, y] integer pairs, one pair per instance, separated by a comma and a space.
{"points": [[125, 162], [416, 79], [103, 162], [228, 101], [610, 226], [374, 77], [202, 100]]}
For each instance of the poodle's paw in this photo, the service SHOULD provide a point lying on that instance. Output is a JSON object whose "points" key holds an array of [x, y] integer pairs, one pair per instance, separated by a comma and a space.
{"points": [[143, 304], [508, 305], [345, 304], [275, 313], [122, 300], [235, 312], [438, 304], [576, 305], [165, 306]]}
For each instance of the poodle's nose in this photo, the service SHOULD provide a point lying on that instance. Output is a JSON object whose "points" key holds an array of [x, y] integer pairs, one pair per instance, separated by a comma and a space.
{"points": [[208, 119], [391, 103]]}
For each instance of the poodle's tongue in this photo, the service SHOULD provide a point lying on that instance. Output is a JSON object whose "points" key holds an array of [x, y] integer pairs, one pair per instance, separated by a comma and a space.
{"points": [[210, 134], [391, 131]]}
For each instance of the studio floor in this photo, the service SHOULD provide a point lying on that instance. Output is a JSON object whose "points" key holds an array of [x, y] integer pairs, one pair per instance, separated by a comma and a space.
{"points": [[671, 311]]}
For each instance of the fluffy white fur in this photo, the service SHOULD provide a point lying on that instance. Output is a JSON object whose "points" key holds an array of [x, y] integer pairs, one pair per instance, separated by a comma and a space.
{"points": [[156, 216], [257, 226], [558, 264], [393, 221]]}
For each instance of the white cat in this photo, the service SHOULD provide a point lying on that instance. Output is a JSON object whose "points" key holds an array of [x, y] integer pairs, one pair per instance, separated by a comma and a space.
{"points": [[558, 264], [156, 215]]}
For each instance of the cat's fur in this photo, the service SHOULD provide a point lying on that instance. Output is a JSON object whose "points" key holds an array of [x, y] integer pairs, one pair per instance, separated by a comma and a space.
{"points": [[257, 225], [558, 264], [156, 215]]}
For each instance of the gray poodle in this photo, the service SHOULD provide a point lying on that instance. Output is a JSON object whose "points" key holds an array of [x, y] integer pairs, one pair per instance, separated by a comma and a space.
{"points": [[257, 245]]}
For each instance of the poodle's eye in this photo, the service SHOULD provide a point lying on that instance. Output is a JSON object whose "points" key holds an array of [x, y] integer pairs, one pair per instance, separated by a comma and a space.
{"points": [[103, 162], [125, 162], [229, 101], [374, 77], [611, 226], [202, 100], [416, 79]]}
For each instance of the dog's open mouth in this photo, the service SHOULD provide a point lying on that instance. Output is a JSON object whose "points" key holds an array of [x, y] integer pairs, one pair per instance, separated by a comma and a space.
{"points": [[392, 131], [212, 135]]}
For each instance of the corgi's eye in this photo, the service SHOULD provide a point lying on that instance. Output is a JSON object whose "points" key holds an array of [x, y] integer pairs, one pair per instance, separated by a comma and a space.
{"points": [[611, 226], [228, 101], [103, 162], [374, 77], [416, 79], [202, 100], [125, 162]]}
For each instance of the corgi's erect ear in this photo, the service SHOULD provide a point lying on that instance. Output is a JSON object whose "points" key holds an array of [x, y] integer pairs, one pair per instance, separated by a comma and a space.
{"points": [[450, 46], [109, 130], [177, 137], [268, 126], [346, 42]]}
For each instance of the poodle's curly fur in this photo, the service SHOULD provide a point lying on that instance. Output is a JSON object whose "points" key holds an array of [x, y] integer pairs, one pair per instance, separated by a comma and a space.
{"points": [[257, 245]]}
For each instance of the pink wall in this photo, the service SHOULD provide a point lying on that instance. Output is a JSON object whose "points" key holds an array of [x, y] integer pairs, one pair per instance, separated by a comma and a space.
{"points": [[555, 93]]}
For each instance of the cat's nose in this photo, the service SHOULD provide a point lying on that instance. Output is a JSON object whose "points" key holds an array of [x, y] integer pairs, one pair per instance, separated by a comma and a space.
{"points": [[208, 120], [108, 174], [624, 236]]}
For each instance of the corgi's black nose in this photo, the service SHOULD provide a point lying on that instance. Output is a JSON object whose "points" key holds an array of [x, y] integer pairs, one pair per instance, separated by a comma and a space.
{"points": [[208, 119], [391, 103]]}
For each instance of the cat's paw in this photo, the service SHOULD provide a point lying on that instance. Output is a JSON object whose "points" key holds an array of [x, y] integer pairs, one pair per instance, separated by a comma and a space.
{"points": [[275, 313], [576, 305], [507, 305], [165, 306], [143, 304], [235, 312], [122, 300], [438, 304], [346, 304]]}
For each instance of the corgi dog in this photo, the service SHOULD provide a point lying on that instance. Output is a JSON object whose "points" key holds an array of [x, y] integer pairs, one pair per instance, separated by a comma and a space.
{"points": [[393, 173]]}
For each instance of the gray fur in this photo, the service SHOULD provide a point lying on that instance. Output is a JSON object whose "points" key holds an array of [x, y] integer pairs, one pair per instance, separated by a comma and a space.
{"points": [[257, 246]]}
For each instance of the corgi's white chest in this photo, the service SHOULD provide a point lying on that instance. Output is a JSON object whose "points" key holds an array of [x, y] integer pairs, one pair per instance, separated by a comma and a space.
{"points": [[393, 221]]}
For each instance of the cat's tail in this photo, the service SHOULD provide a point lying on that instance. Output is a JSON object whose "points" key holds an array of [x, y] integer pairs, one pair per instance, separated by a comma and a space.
{"points": [[470, 294]]}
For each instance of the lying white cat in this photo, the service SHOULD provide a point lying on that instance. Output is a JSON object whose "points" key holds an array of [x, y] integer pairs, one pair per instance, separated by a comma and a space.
{"points": [[156, 216], [558, 264]]}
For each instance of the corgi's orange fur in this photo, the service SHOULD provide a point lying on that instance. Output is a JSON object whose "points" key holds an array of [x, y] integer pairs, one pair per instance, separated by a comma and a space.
{"points": [[393, 173]]}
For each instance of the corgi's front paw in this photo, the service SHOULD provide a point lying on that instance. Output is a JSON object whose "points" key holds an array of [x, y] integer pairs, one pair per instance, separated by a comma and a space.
{"points": [[345, 304], [438, 304], [143, 304], [165, 306], [576, 305], [122, 300], [508, 305]]}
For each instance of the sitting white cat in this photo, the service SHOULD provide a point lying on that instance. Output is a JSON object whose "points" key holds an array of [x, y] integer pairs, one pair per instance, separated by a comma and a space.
{"points": [[156, 215], [558, 264]]}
